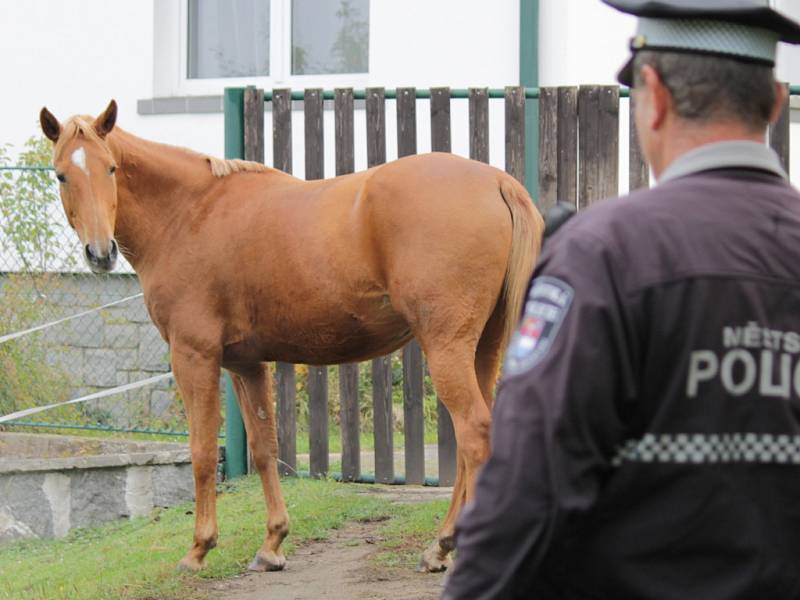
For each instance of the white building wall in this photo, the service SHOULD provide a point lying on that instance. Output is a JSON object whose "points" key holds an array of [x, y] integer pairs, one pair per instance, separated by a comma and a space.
{"points": [[75, 56]]}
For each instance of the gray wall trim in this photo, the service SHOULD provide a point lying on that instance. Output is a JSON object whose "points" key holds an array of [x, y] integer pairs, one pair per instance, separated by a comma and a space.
{"points": [[180, 105]]}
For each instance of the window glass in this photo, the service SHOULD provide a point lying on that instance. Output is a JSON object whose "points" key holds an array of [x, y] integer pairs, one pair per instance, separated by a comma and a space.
{"points": [[228, 38], [330, 36]]}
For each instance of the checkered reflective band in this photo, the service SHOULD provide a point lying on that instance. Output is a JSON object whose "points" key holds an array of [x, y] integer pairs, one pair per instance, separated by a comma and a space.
{"points": [[699, 448]]}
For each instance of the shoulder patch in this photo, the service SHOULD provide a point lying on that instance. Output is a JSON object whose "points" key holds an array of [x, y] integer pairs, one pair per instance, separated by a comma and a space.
{"points": [[547, 303]]}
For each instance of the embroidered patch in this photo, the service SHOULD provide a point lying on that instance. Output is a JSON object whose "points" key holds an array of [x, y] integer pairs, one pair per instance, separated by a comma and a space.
{"points": [[547, 304]]}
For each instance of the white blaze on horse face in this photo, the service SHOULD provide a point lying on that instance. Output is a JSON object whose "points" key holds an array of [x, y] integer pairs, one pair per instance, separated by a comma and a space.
{"points": [[79, 159]]}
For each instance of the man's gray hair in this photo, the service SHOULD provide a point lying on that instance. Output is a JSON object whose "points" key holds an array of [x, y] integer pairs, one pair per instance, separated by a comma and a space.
{"points": [[712, 88]]}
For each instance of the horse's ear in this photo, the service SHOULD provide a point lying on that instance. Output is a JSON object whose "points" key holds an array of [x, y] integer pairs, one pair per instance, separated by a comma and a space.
{"points": [[105, 122], [50, 125]]}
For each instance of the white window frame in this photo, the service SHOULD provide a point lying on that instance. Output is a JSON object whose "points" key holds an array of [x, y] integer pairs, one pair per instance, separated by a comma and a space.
{"points": [[280, 61]]}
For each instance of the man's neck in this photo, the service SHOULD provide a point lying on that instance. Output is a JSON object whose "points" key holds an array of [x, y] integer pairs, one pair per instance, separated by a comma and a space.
{"points": [[683, 139]]}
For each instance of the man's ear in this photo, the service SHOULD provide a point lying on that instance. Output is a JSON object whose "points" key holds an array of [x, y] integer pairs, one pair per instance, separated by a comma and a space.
{"points": [[780, 100], [660, 97], [50, 125], [105, 122]]}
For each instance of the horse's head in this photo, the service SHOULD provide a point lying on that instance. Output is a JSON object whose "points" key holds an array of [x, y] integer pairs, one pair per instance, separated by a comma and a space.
{"points": [[85, 168]]}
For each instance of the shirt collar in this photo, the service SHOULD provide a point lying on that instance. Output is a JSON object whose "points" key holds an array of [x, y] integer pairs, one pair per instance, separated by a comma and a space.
{"points": [[722, 155]]}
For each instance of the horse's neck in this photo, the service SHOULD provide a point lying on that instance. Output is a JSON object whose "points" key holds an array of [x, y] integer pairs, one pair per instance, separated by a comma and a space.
{"points": [[154, 183]]}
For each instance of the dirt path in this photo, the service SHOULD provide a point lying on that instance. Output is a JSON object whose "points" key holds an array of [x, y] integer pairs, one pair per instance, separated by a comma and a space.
{"points": [[339, 568]]}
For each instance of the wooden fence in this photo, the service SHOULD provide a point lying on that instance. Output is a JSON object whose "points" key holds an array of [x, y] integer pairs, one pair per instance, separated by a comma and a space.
{"points": [[578, 139]]}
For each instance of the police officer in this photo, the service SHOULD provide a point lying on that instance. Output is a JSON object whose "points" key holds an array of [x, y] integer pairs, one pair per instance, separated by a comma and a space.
{"points": [[646, 435]]}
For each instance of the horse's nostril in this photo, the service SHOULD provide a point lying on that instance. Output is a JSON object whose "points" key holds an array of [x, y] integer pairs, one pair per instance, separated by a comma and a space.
{"points": [[89, 254], [114, 249]]}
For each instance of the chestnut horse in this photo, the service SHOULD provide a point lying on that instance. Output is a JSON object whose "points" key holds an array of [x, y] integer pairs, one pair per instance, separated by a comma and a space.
{"points": [[241, 264]]}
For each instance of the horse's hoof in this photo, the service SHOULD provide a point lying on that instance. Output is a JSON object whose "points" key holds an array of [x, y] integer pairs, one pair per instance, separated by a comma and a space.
{"points": [[432, 563], [190, 564], [267, 562]]}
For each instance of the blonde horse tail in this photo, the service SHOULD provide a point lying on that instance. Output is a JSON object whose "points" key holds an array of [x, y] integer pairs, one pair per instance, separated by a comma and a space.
{"points": [[527, 227]]}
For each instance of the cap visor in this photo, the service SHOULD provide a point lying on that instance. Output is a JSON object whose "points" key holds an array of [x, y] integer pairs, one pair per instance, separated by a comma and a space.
{"points": [[625, 74]]}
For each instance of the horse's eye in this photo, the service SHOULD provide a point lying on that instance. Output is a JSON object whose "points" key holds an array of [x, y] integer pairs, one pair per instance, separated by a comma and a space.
{"points": [[61, 178], [112, 169]]}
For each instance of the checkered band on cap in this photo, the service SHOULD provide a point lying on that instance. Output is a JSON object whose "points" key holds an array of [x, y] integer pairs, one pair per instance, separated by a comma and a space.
{"points": [[698, 448], [706, 35]]}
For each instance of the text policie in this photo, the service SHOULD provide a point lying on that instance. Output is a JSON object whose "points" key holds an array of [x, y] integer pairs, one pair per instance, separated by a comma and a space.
{"points": [[756, 356]]}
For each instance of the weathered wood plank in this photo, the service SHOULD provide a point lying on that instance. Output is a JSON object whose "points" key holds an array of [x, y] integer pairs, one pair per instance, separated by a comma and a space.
{"points": [[314, 137], [349, 418], [440, 142], [318, 420], [413, 419], [779, 133], [413, 415], [348, 374], [382, 416], [638, 171], [376, 126], [515, 132], [548, 147], [440, 119], [317, 376], [287, 418], [598, 147], [479, 124], [254, 124], [284, 372], [406, 121], [567, 167], [383, 421], [282, 130]]}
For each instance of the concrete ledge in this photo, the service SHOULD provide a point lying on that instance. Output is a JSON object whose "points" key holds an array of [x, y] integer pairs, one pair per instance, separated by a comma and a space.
{"points": [[51, 484]]}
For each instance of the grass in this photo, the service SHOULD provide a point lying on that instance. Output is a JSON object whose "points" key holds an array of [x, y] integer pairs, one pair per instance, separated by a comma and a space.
{"points": [[408, 532], [136, 559]]}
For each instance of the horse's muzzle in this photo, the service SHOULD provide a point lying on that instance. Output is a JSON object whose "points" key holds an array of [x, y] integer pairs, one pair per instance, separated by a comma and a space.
{"points": [[101, 261]]}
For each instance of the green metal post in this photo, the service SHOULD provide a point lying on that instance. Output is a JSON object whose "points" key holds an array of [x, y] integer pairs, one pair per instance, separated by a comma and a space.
{"points": [[235, 435], [529, 77]]}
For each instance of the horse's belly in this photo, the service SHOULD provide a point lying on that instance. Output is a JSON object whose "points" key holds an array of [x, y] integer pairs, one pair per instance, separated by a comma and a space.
{"points": [[339, 337]]}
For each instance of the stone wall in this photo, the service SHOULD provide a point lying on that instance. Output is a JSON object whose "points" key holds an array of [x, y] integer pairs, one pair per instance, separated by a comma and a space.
{"points": [[44, 494], [103, 349]]}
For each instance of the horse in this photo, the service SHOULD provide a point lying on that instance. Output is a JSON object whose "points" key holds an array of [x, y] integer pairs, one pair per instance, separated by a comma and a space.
{"points": [[241, 264]]}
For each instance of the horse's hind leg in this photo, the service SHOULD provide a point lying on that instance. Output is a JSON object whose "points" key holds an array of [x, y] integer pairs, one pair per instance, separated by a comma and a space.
{"points": [[487, 362], [453, 373], [252, 383], [489, 353]]}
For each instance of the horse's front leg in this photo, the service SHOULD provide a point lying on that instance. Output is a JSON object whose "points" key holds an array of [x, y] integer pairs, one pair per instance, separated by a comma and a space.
{"points": [[197, 375]]}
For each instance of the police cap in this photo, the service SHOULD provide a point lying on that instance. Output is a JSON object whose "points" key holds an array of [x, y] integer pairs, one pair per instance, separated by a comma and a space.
{"points": [[746, 30]]}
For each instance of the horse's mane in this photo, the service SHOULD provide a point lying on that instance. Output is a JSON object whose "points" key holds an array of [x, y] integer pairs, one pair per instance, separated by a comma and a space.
{"points": [[82, 124], [221, 167]]}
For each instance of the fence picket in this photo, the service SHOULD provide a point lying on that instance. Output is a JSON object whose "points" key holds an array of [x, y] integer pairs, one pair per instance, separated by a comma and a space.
{"points": [[598, 147], [284, 372], [348, 373], [440, 142], [479, 124], [317, 376], [413, 418], [382, 417], [638, 170], [515, 132], [779, 133]]}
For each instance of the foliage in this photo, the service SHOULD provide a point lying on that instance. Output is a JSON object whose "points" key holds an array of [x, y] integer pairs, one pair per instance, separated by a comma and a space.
{"points": [[27, 377], [137, 558], [30, 235]]}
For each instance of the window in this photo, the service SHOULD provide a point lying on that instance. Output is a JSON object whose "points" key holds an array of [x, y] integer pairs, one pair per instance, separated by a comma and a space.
{"points": [[330, 36], [228, 39], [269, 43]]}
